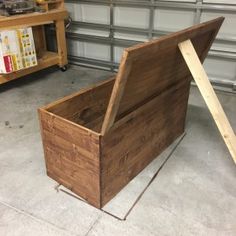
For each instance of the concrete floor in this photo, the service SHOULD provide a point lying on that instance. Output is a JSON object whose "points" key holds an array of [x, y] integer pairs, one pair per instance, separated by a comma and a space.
{"points": [[193, 194]]}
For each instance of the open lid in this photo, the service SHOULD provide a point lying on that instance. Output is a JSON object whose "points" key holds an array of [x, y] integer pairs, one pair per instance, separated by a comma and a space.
{"points": [[148, 69]]}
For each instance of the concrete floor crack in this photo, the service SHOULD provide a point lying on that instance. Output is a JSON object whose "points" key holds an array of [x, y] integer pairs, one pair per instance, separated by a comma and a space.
{"points": [[93, 225], [36, 218]]}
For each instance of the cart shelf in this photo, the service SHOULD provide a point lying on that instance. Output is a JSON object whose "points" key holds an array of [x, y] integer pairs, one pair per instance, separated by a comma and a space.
{"points": [[37, 21]]}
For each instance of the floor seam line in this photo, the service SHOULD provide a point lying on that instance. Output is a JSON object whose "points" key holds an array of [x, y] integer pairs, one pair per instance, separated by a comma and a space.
{"points": [[36, 218], [93, 225]]}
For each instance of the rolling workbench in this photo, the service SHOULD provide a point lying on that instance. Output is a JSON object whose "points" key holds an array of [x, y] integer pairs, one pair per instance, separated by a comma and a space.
{"points": [[37, 21]]}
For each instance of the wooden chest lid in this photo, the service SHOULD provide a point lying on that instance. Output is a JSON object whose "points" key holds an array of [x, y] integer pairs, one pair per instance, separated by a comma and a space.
{"points": [[150, 68]]}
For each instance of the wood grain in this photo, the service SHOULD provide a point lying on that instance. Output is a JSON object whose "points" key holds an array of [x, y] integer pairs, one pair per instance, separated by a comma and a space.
{"points": [[117, 93], [46, 60], [39, 39], [72, 156], [32, 19], [140, 136], [154, 66], [37, 21], [97, 140], [87, 107], [209, 95], [61, 42]]}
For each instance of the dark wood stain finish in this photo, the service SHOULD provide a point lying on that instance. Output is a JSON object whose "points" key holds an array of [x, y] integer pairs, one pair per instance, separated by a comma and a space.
{"points": [[97, 140]]}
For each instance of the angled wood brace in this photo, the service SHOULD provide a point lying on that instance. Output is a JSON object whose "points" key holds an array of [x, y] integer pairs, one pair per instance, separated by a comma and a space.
{"points": [[195, 66], [194, 61]]}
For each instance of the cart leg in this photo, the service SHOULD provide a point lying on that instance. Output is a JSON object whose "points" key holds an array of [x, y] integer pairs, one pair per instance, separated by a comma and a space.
{"points": [[61, 44], [39, 39]]}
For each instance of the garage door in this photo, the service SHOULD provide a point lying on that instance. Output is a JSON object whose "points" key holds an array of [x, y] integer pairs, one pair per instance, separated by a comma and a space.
{"points": [[100, 31]]}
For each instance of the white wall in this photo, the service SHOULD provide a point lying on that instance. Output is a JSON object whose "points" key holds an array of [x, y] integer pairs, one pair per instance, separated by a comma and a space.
{"points": [[165, 19]]}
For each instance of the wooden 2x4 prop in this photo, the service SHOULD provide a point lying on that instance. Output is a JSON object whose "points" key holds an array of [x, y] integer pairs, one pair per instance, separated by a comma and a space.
{"points": [[208, 93]]}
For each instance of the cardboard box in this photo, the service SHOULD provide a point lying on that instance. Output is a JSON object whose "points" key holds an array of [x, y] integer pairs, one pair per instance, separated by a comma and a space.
{"points": [[27, 47], [17, 50], [10, 54]]}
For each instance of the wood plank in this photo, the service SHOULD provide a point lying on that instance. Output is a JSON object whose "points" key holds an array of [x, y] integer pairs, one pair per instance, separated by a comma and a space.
{"points": [[87, 107], [39, 40], [153, 47], [47, 59], [76, 185], [86, 139], [209, 95], [72, 156], [65, 158], [61, 42], [53, 106], [135, 140], [32, 19], [153, 67], [117, 93], [18, 26], [73, 152], [37, 20]]}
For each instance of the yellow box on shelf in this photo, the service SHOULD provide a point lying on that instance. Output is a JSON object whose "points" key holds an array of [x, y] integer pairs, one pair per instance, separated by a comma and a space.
{"points": [[27, 46], [17, 50], [10, 54]]}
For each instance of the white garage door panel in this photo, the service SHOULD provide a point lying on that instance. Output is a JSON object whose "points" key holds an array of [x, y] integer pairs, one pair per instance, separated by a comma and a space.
{"points": [[89, 31], [169, 16], [74, 10], [89, 50], [118, 53], [178, 0], [228, 28], [225, 46], [75, 48], [140, 38], [94, 13], [97, 51], [131, 17], [172, 20], [220, 1], [221, 69], [89, 13]]}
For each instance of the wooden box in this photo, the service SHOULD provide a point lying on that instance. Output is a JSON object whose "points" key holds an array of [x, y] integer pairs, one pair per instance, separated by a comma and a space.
{"points": [[97, 140]]}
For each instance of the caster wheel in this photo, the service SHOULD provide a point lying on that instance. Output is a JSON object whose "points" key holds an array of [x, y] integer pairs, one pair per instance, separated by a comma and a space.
{"points": [[64, 68]]}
